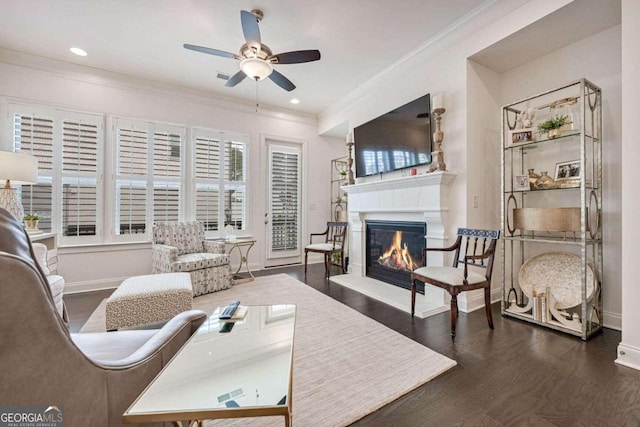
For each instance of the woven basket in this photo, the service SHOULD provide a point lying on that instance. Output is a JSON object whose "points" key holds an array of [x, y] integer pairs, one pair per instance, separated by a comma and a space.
{"points": [[547, 219]]}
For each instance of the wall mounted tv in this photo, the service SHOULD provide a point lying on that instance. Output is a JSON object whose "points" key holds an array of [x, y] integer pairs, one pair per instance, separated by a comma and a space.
{"points": [[400, 139]]}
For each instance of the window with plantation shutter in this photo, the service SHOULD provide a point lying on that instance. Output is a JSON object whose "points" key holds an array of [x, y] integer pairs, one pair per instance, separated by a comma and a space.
{"points": [[69, 149], [219, 174], [284, 200], [34, 135], [81, 142], [167, 169], [149, 168], [131, 180]]}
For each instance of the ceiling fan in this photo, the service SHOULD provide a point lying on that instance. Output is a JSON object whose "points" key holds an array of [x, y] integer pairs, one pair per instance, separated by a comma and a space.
{"points": [[256, 59]]}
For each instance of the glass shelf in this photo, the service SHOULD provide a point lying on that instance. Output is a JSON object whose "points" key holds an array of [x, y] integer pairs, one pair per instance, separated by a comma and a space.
{"points": [[577, 187], [546, 140], [556, 240]]}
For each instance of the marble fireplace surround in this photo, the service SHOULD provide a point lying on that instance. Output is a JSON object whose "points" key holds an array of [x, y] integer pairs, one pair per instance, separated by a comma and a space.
{"points": [[421, 198]]}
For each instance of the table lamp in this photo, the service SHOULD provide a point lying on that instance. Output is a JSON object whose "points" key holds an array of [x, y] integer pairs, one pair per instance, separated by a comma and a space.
{"points": [[16, 168]]}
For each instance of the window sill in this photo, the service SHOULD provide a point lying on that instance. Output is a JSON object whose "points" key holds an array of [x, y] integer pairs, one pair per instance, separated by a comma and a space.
{"points": [[103, 247]]}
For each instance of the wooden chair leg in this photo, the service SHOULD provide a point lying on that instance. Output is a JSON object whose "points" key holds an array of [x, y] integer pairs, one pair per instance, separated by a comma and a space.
{"points": [[413, 297], [306, 255], [327, 265], [454, 315], [487, 306], [344, 271]]}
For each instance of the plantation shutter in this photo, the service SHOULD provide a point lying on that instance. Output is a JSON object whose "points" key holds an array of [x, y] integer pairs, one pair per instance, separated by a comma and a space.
{"points": [[220, 179], [80, 147], [131, 181], [285, 200], [234, 193], [34, 135], [166, 176], [207, 176]]}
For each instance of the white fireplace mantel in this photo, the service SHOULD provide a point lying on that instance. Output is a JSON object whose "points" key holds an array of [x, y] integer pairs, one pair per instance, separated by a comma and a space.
{"points": [[421, 198], [416, 181], [412, 198]]}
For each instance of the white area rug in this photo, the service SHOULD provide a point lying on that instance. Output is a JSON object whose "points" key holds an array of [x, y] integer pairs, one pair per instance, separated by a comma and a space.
{"points": [[346, 365]]}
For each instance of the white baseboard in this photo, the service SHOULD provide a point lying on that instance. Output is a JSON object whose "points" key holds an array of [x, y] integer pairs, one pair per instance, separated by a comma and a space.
{"points": [[628, 356], [612, 320], [92, 285], [473, 302]]}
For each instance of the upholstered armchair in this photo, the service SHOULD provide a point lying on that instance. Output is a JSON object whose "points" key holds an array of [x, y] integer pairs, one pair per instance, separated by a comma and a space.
{"points": [[181, 247], [55, 281], [93, 377]]}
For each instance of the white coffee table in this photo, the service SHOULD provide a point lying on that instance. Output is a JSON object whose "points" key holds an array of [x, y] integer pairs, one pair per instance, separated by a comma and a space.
{"points": [[246, 372]]}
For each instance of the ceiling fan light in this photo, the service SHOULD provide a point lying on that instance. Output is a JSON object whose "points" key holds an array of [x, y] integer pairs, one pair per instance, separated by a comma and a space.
{"points": [[256, 68]]}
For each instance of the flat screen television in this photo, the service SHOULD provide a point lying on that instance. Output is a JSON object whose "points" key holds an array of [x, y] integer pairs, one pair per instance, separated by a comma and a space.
{"points": [[400, 139]]}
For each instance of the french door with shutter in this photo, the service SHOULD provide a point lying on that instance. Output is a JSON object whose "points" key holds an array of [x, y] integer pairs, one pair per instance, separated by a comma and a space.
{"points": [[284, 201]]}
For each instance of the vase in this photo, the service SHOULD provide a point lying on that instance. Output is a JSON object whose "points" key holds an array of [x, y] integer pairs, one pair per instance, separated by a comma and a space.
{"points": [[544, 181], [533, 178], [553, 133], [31, 224]]}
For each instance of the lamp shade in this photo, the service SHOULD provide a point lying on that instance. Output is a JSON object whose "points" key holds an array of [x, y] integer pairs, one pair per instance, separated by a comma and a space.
{"points": [[20, 168], [256, 68]]}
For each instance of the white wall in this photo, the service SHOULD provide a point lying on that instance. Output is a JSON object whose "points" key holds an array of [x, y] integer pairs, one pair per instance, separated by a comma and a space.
{"points": [[596, 58], [440, 66], [629, 348], [45, 82], [483, 164]]}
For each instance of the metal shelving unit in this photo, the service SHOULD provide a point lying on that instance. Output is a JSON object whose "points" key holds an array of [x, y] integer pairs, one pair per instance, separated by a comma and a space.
{"points": [[552, 247], [339, 168]]}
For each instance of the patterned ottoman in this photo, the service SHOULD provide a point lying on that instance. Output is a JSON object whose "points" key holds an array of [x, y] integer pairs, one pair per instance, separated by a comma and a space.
{"points": [[147, 299]]}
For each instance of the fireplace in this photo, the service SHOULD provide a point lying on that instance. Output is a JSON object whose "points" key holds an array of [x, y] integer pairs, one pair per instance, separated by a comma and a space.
{"points": [[393, 250]]}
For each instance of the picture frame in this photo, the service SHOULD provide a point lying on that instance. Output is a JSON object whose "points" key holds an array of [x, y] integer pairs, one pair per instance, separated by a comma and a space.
{"points": [[521, 136], [521, 183], [568, 171]]}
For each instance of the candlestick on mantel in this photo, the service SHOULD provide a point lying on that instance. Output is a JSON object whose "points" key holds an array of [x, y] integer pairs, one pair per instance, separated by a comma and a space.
{"points": [[437, 156], [437, 102], [350, 179]]}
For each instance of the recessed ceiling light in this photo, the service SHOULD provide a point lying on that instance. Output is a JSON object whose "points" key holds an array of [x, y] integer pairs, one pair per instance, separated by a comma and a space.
{"points": [[78, 51], [295, 101]]}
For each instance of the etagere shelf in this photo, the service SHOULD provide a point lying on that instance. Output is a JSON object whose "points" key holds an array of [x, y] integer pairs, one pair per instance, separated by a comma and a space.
{"points": [[339, 171], [551, 209]]}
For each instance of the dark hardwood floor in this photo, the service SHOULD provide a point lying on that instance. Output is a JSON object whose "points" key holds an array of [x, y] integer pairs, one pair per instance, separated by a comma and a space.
{"points": [[516, 374]]}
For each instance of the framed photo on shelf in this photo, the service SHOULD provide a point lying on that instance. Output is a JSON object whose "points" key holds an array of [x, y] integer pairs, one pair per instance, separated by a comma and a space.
{"points": [[519, 136], [568, 171], [521, 183]]}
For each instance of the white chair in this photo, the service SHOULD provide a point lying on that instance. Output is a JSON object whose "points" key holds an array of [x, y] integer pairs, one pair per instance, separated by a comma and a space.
{"points": [[56, 282]]}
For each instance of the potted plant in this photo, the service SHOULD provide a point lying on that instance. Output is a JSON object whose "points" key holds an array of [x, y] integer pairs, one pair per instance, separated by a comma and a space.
{"points": [[553, 125], [31, 221]]}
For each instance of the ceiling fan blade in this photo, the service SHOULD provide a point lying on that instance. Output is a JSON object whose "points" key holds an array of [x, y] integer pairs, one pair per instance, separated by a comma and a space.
{"points": [[282, 81], [296, 57], [250, 27], [210, 51], [235, 79]]}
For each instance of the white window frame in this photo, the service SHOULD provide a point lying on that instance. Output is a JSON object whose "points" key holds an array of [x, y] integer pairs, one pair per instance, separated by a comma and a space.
{"points": [[57, 176], [221, 184], [148, 180]]}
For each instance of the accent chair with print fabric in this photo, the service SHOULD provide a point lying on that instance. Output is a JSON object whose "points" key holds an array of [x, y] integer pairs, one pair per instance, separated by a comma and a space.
{"points": [[92, 377], [180, 247]]}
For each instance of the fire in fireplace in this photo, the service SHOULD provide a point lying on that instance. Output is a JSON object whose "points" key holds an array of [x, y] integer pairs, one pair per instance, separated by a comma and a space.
{"points": [[397, 256], [394, 250]]}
